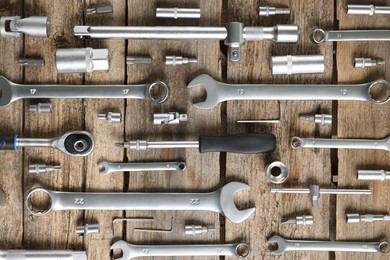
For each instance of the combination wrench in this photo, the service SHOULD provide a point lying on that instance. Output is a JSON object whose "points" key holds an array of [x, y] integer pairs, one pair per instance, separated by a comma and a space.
{"points": [[130, 251], [218, 92], [284, 245], [22, 254], [221, 201], [320, 36], [298, 142], [234, 34], [11, 91], [107, 167], [75, 143]]}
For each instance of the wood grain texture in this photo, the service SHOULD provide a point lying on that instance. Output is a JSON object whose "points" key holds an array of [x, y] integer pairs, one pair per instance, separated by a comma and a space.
{"points": [[105, 133], [362, 120], [11, 118], [202, 174], [305, 166], [56, 230]]}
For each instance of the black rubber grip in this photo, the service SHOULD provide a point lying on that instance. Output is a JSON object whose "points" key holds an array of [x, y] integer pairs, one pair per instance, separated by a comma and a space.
{"points": [[243, 143], [8, 142]]}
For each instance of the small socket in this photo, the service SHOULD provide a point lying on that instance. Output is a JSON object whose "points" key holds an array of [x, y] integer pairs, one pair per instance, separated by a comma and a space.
{"points": [[179, 60], [194, 230], [87, 229], [42, 168], [111, 117], [322, 119], [41, 108], [269, 10], [367, 62]]}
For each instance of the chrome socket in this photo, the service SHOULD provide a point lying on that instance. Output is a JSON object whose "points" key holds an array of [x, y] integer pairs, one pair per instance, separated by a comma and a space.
{"points": [[41, 108], [14, 26], [176, 13], [81, 60], [302, 64]]}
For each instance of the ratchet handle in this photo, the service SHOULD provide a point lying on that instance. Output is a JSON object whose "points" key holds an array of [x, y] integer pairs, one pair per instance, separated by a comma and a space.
{"points": [[243, 143], [8, 142]]}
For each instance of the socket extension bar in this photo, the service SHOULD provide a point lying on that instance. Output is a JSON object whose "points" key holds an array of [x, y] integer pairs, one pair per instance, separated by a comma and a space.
{"points": [[234, 34]]}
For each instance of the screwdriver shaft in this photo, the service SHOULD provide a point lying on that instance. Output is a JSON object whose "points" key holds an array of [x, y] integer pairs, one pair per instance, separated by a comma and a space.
{"points": [[143, 145]]}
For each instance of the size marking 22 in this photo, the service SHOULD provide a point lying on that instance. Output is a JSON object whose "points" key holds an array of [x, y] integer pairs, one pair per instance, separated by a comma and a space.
{"points": [[79, 201]]}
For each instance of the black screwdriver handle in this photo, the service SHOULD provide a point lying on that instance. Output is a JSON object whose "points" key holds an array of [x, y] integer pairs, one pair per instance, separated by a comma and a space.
{"points": [[242, 143], [8, 142]]}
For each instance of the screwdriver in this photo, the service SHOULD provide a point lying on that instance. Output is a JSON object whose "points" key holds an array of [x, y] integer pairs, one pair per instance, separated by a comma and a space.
{"points": [[242, 143]]}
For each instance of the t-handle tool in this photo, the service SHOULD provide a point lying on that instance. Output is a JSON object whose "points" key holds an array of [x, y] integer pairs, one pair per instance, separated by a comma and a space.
{"points": [[130, 251], [221, 201], [75, 143], [218, 92], [234, 34], [158, 91], [243, 143]]}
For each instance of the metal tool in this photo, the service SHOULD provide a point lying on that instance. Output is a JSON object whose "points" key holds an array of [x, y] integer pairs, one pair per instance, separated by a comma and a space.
{"points": [[75, 143], [149, 230], [221, 201], [81, 60], [322, 119], [171, 118], [298, 142], [176, 13], [99, 10], [41, 108], [299, 220], [320, 36], [243, 143], [234, 34], [130, 251], [14, 26], [111, 117], [315, 192], [373, 175], [179, 60], [285, 245], [218, 92], [12, 91], [107, 167], [31, 62], [115, 220], [21, 254], [356, 218], [298, 64], [276, 172], [194, 230], [366, 62], [138, 60], [269, 10], [367, 9], [87, 229], [42, 168]]}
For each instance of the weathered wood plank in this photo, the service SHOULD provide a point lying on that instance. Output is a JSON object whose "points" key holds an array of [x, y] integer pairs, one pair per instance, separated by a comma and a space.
{"points": [[105, 133], [362, 120], [202, 172], [11, 119], [305, 166], [57, 229]]}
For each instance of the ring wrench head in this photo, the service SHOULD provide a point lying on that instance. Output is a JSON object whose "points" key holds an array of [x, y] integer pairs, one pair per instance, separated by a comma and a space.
{"points": [[29, 204], [318, 36], [295, 142], [210, 85], [228, 207], [75, 143], [382, 94], [163, 96]]}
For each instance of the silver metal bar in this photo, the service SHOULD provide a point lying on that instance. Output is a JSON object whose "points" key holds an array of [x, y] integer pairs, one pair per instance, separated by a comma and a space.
{"points": [[320, 36], [324, 191], [106, 167], [143, 144], [356, 218], [373, 175], [21, 254], [178, 13], [367, 10]]}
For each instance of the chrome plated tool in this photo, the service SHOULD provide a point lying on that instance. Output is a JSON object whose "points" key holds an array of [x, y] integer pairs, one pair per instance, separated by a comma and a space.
{"points": [[380, 144], [357, 218], [243, 143], [221, 201], [176, 13], [107, 167], [75, 143], [367, 62], [218, 92], [171, 118], [233, 35], [42, 168], [285, 245], [15, 26], [320, 36], [130, 251], [322, 119], [373, 175], [11, 91], [367, 10], [299, 220], [270, 10]]}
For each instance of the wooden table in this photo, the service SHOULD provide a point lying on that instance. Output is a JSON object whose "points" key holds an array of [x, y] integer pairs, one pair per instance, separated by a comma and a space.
{"points": [[205, 172]]}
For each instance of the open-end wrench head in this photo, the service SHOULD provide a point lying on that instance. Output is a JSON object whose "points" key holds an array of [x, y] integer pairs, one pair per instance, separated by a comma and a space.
{"points": [[210, 85], [5, 91], [280, 243], [229, 209], [125, 247]]}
